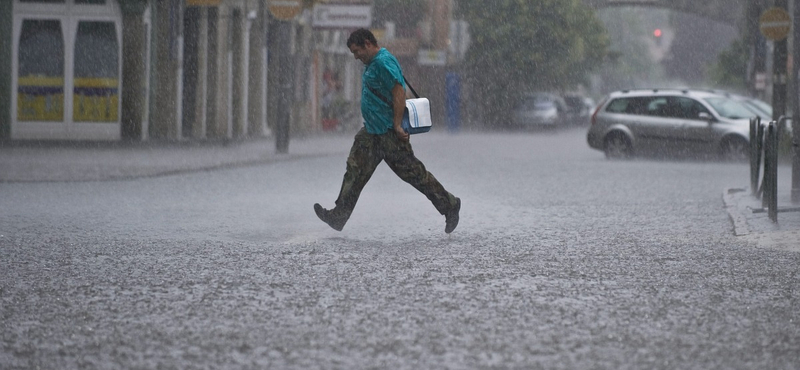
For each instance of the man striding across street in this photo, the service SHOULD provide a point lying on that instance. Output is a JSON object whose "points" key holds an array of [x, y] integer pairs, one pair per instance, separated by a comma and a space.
{"points": [[383, 139]]}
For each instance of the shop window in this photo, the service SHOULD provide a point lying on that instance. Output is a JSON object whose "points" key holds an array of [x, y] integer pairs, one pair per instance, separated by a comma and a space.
{"points": [[40, 84], [96, 90]]}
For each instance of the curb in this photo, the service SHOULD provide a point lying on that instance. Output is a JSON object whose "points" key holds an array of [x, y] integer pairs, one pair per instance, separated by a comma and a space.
{"points": [[739, 220], [70, 163], [756, 229], [156, 173]]}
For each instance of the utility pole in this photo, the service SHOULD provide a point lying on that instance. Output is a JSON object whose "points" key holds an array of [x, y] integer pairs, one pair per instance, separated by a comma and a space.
{"points": [[780, 57], [284, 11], [796, 102], [285, 73], [757, 65]]}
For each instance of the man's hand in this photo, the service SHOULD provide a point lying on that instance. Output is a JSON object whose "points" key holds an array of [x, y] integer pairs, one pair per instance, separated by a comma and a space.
{"points": [[401, 134]]}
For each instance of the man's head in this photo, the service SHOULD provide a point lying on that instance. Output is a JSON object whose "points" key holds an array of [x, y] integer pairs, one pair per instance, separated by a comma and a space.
{"points": [[363, 45]]}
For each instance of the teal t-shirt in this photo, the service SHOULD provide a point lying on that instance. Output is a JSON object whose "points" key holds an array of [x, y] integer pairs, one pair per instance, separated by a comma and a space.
{"points": [[380, 76]]}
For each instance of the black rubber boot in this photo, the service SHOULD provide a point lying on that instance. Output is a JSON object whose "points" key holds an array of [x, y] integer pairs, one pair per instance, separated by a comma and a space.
{"points": [[326, 217], [451, 218]]}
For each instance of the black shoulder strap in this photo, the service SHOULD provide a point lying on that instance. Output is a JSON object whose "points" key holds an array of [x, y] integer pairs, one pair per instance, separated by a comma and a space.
{"points": [[379, 95], [411, 87]]}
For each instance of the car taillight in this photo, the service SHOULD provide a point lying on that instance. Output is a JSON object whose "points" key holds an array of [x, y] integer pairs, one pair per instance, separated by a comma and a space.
{"points": [[597, 110]]}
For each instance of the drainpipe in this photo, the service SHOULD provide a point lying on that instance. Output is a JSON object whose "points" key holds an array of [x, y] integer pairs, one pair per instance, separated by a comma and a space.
{"points": [[251, 15], [203, 70], [265, 131]]}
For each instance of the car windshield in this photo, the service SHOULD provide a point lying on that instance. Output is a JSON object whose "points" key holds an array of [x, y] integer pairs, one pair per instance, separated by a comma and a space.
{"points": [[761, 106], [729, 108]]}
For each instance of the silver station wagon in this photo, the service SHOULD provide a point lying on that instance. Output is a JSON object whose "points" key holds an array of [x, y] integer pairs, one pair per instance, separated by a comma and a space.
{"points": [[670, 121]]}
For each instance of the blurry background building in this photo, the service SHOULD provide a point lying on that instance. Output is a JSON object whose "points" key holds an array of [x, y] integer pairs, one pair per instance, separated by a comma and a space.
{"points": [[203, 69], [232, 69]]}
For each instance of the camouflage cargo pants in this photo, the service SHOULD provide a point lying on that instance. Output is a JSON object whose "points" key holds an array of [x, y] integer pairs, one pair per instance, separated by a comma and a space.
{"points": [[367, 153]]}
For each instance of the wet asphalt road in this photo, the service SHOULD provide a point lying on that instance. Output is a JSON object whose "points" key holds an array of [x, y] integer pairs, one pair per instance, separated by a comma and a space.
{"points": [[562, 260]]}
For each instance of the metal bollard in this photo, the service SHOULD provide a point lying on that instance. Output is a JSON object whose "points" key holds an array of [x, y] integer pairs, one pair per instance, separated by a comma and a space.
{"points": [[773, 177], [770, 182], [755, 160], [764, 189], [759, 149]]}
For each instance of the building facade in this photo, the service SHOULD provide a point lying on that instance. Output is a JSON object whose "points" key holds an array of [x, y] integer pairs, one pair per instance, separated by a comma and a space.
{"points": [[132, 69], [105, 70]]}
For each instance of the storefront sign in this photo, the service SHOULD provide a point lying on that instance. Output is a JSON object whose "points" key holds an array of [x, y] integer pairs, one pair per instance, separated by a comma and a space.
{"points": [[285, 9], [342, 16], [432, 57]]}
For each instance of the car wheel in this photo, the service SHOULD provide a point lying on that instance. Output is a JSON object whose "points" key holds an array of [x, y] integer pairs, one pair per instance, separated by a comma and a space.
{"points": [[617, 146], [734, 149]]}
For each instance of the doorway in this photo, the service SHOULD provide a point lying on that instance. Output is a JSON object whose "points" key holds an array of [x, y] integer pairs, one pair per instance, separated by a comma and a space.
{"points": [[66, 68]]}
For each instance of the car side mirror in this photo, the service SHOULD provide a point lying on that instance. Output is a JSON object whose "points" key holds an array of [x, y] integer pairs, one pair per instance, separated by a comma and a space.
{"points": [[705, 116]]}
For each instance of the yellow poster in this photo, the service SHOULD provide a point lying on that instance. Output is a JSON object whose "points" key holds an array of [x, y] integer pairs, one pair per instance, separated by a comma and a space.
{"points": [[40, 98], [95, 100]]}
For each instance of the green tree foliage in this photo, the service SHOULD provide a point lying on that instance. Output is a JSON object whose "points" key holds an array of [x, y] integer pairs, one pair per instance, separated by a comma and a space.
{"points": [[730, 69], [406, 13], [528, 45], [629, 63], [690, 53]]}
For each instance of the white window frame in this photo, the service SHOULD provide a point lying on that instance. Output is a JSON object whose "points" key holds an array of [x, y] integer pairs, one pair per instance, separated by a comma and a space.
{"points": [[69, 15]]}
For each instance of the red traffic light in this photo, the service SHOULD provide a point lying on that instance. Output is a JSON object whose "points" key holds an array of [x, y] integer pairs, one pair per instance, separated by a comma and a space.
{"points": [[657, 32]]}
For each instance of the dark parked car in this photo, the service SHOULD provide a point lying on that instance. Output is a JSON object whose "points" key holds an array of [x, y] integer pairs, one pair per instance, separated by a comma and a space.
{"points": [[539, 109], [579, 108]]}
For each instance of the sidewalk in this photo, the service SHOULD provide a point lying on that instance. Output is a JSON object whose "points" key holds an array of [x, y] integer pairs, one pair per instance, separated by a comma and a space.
{"points": [[757, 228], [89, 161]]}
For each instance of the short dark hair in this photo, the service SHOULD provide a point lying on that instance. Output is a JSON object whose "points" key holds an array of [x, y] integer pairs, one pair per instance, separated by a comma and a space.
{"points": [[360, 37]]}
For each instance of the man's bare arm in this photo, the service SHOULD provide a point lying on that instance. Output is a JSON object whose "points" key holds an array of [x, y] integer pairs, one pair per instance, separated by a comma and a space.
{"points": [[398, 106]]}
